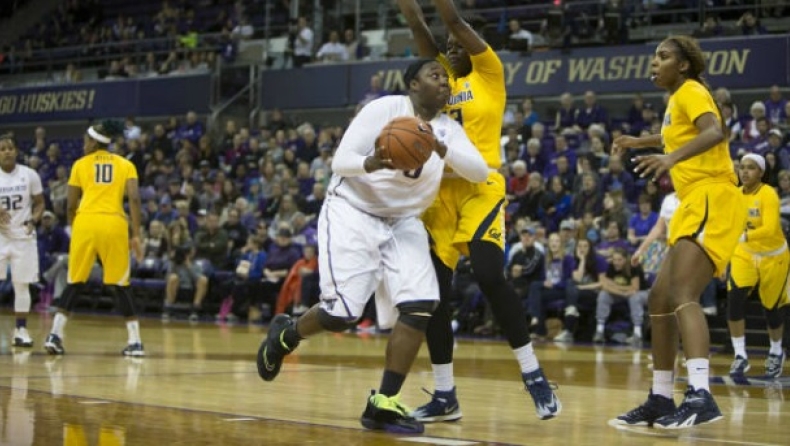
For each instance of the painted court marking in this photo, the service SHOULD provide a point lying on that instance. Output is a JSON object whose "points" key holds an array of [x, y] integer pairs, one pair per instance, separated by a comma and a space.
{"points": [[440, 441], [240, 419], [653, 433], [94, 402]]}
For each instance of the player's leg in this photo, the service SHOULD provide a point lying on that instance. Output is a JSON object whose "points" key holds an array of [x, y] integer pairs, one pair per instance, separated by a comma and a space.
{"points": [[664, 346], [82, 256], [410, 285], [774, 277], [24, 254], [348, 266], [743, 277], [112, 248]]}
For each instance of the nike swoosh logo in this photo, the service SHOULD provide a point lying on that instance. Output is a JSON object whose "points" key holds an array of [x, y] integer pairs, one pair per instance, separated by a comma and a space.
{"points": [[266, 365], [489, 183]]}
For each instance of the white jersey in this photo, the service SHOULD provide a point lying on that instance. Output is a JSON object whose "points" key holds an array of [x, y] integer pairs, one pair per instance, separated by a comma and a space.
{"points": [[668, 208], [16, 196], [397, 193]]}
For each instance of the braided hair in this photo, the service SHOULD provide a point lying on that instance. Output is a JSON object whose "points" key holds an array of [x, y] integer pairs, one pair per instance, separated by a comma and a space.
{"points": [[688, 49]]}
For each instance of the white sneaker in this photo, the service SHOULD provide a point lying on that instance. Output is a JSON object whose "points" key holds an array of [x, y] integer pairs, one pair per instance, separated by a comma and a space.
{"points": [[571, 311], [710, 311], [564, 336], [22, 338], [300, 309]]}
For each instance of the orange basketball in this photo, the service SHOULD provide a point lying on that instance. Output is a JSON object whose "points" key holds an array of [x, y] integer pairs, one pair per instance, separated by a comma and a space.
{"points": [[407, 141]]}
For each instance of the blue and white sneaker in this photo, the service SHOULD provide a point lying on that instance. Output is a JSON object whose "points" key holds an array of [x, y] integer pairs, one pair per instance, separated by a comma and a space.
{"points": [[54, 345], [774, 365], [740, 366], [547, 405], [698, 407], [654, 408], [442, 407]]}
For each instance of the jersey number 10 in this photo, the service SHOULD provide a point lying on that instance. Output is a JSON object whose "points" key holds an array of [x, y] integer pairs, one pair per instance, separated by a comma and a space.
{"points": [[103, 173]]}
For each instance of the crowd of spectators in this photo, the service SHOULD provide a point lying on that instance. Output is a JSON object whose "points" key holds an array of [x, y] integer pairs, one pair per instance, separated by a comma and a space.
{"points": [[245, 201]]}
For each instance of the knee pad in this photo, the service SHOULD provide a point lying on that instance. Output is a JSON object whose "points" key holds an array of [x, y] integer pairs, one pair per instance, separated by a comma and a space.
{"points": [[775, 317], [125, 299], [334, 324], [21, 297], [70, 295], [417, 314], [736, 303]]}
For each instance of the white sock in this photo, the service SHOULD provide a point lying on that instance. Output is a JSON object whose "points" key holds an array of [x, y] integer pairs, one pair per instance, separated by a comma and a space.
{"points": [[663, 383], [698, 371], [58, 324], [133, 327], [526, 358], [599, 328], [443, 377], [739, 345], [776, 347], [638, 331]]}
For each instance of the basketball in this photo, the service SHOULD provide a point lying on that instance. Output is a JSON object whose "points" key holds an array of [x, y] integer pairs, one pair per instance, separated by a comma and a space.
{"points": [[407, 141]]}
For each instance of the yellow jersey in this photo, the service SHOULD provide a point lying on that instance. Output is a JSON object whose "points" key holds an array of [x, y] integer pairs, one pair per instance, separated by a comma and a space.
{"points": [[688, 103], [763, 230], [478, 103], [102, 177]]}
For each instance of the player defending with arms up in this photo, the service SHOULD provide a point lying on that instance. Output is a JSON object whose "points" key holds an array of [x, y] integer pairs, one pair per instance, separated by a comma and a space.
{"points": [[469, 218], [21, 206], [761, 260], [99, 227], [372, 240], [703, 233]]}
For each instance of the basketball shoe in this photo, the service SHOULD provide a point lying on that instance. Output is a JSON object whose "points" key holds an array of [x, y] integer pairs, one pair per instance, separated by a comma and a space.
{"points": [[698, 407], [773, 365], [442, 407], [54, 345], [655, 407], [388, 414], [281, 340], [740, 366], [22, 338], [547, 405], [135, 349]]}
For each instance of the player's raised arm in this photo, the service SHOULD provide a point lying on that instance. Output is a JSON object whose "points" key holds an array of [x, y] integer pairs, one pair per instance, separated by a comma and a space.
{"points": [[426, 44], [457, 26]]}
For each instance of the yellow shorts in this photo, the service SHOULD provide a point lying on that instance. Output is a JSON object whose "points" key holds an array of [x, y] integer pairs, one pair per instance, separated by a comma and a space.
{"points": [[103, 236], [714, 216], [768, 273], [463, 212]]}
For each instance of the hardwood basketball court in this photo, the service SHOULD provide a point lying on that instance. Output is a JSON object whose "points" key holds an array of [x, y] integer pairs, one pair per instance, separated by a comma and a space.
{"points": [[198, 386]]}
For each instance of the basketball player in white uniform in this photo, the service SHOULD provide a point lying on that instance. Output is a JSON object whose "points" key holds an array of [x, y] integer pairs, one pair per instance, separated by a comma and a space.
{"points": [[21, 207], [371, 240]]}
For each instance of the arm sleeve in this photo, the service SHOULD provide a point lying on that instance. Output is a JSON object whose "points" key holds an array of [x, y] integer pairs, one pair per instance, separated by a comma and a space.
{"points": [[464, 157], [770, 212], [359, 140], [698, 101]]}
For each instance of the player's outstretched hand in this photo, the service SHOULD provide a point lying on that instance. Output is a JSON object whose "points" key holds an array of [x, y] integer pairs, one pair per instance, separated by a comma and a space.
{"points": [[652, 165], [623, 143]]}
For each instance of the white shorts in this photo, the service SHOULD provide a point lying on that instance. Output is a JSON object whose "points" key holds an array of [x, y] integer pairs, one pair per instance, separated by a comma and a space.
{"points": [[22, 255], [360, 254]]}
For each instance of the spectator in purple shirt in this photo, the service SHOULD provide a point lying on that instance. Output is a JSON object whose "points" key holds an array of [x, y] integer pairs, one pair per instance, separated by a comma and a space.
{"points": [[612, 239], [192, 129], [618, 179], [586, 272], [775, 106], [642, 222], [591, 113], [282, 255], [551, 287], [566, 115]]}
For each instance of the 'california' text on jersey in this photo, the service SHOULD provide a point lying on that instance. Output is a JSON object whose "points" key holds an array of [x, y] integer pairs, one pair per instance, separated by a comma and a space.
{"points": [[478, 103]]}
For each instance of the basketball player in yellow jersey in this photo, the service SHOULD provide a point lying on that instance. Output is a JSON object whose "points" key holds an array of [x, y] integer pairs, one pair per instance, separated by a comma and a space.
{"points": [[468, 218], [703, 232], [100, 229], [761, 260]]}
